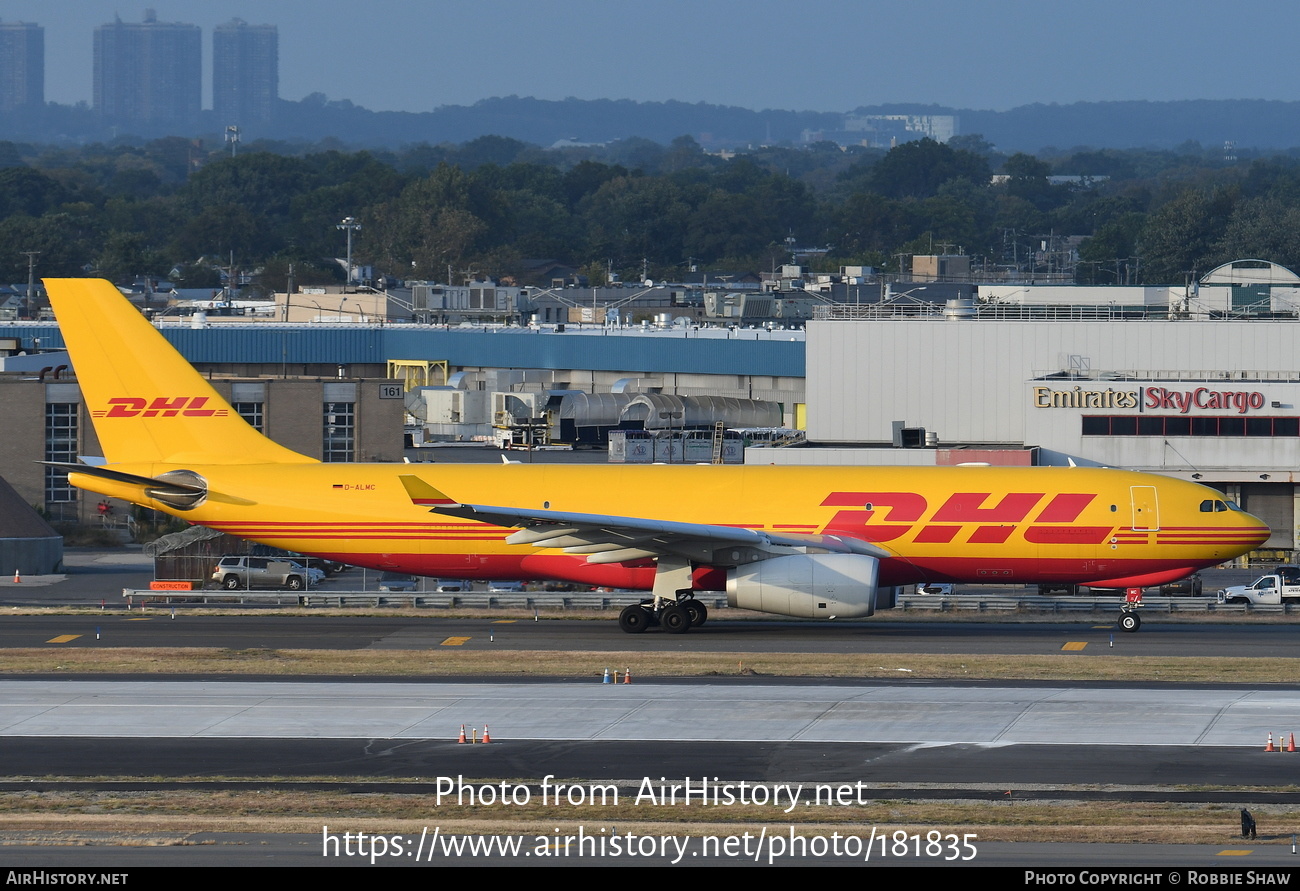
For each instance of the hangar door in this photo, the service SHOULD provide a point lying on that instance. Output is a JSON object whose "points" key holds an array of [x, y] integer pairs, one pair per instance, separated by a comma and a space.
{"points": [[1274, 504]]}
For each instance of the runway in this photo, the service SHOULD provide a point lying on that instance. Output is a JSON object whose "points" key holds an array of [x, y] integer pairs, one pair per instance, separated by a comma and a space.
{"points": [[925, 713]]}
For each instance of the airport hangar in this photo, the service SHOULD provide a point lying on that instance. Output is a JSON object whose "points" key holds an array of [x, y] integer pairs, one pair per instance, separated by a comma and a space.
{"points": [[1201, 384]]}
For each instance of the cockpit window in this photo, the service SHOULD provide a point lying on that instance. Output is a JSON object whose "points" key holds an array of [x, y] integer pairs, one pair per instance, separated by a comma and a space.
{"points": [[1212, 506], [1232, 505]]}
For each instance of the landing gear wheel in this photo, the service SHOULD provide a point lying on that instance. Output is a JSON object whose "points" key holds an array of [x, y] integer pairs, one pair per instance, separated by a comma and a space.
{"points": [[675, 619], [699, 612], [1130, 622], [634, 619]]}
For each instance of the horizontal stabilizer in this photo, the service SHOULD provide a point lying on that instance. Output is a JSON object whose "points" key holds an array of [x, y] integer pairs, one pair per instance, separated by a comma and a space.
{"points": [[181, 489], [130, 478]]}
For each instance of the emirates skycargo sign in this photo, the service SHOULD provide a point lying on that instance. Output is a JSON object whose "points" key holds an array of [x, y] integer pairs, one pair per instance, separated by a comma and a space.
{"points": [[1204, 399], [1157, 399]]}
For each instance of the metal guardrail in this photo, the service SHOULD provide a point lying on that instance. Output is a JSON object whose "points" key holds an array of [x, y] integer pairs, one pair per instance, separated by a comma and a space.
{"points": [[1074, 604], [897, 309], [1205, 376], [920, 309], [1028, 604], [585, 600]]}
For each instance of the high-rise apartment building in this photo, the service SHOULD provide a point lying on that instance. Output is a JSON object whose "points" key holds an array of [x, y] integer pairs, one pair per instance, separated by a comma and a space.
{"points": [[22, 66], [245, 72], [150, 72]]}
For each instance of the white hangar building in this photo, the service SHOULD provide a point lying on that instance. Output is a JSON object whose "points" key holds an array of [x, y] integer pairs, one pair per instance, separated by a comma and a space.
{"points": [[1216, 400]]}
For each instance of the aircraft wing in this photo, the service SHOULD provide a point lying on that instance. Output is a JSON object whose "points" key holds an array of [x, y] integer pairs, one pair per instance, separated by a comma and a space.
{"points": [[604, 538]]}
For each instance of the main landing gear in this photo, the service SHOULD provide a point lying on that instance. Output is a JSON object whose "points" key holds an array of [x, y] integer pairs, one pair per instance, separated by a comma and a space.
{"points": [[673, 606], [674, 617]]}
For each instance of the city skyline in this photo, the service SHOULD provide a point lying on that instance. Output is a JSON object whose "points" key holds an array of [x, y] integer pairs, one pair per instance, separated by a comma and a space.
{"points": [[22, 65], [399, 55], [148, 71], [245, 72]]}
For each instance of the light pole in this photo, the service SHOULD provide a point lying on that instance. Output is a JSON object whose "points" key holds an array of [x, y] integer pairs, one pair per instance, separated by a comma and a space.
{"points": [[349, 225]]}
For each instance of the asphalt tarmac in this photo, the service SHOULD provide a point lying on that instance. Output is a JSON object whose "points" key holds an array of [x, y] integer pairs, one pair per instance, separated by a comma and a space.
{"points": [[1093, 637], [911, 739]]}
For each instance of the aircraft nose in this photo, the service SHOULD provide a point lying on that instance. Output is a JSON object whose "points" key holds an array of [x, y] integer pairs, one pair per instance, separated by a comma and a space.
{"points": [[1258, 527]]}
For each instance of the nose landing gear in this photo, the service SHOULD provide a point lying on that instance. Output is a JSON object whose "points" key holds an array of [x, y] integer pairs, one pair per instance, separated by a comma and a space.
{"points": [[1129, 620]]}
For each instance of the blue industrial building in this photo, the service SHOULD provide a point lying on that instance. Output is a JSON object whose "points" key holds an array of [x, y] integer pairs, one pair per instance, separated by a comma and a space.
{"points": [[688, 351]]}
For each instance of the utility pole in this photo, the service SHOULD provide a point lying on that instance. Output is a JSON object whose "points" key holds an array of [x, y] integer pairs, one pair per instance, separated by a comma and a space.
{"points": [[31, 280], [288, 292]]}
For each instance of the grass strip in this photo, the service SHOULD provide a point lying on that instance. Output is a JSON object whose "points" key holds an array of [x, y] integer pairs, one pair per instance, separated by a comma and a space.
{"points": [[128, 815], [452, 662]]}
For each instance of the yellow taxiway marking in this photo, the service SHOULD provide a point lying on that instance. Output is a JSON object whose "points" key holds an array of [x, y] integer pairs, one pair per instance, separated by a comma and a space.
{"points": [[142, 619], [63, 638], [1231, 853], [1102, 627], [454, 641], [1075, 645], [505, 621]]}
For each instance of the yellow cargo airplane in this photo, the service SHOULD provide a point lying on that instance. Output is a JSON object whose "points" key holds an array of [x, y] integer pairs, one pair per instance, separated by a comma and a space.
{"points": [[814, 542]]}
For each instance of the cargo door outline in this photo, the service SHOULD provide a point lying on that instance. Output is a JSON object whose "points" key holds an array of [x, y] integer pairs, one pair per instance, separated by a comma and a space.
{"points": [[1146, 509]]}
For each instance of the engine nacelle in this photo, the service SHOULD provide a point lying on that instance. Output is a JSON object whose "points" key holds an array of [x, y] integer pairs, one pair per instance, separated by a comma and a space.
{"points": [[810, 586]]}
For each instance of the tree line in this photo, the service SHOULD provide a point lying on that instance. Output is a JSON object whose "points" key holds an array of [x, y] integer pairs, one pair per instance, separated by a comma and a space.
{"points": [[170, 207]]}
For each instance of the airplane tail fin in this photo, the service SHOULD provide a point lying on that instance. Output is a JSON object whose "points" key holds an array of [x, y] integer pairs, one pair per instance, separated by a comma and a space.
{"points": [[147, 403]]}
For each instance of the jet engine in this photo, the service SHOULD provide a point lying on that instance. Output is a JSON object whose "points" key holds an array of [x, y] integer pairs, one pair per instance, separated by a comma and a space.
{"points": [[809, 586]]}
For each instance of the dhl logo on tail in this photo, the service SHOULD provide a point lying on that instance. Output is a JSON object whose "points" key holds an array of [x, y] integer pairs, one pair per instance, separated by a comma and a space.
{"points": [[160, 407]]}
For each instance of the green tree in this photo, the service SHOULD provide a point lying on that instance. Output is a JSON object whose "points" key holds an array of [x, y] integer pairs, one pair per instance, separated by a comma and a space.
{"points": [[1110, 254], [27, 191], [1180, 237], [917, 169], [224, 230], [635, 217], [1266, 228], [1028, 181]]}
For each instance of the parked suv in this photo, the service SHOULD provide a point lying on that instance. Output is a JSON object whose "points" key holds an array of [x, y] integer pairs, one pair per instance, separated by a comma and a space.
{"points": [[235, 573]]}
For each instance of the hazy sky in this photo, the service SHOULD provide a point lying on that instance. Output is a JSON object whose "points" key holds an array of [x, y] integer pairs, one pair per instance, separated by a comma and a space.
{"points": [[822, 55]]}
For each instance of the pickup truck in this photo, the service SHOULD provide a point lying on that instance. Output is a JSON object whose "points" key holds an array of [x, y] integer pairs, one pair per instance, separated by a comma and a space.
{"points": [[1282, 585]]}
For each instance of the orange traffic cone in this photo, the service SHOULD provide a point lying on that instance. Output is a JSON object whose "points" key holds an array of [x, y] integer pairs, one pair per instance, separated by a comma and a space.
{"points": [[1290, 743], [18, 579], [1269, 747], [487, 738], [627, 676], [462, 734]]}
